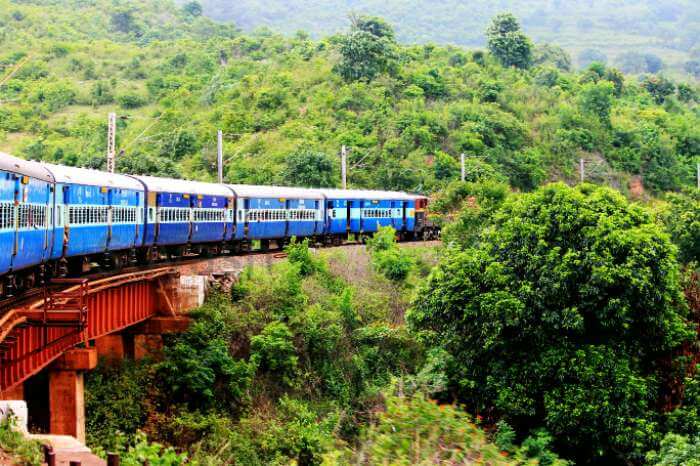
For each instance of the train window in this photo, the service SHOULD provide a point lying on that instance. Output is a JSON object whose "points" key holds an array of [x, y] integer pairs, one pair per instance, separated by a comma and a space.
{"points": [[7, 215]]}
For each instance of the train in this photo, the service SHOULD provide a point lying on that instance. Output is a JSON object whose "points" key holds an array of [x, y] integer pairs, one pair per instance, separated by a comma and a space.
{"points": [[58, 221]]}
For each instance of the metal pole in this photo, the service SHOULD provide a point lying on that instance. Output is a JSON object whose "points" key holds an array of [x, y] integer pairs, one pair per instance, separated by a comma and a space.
{"points": [[464, 174], [111, 136], [582, 170], [344, 166], [220, 154], [698, 175]]}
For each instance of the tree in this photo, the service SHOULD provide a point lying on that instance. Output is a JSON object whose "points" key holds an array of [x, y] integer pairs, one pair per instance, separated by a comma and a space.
{"points": [[507, 43], [682, 218], [548, 54], [193, 9], [367, 50], [597, 99], [555, 320], [310, 168], [659, 87]]}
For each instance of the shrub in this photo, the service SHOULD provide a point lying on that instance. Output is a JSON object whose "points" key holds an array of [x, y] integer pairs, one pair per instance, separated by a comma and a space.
{"points": [[676, 450], [116, 400], [298, 253], [198, 368], [273, 352], [131, 100]]}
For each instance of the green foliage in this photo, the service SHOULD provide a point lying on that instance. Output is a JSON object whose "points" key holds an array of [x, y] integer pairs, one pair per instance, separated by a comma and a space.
{"points": [[388, 259], [476, 204], [548, 54], [198, 368], [116, 400], [12, 441], [681, 215], [555, 319], [676, 450], [367, 50], [597, 99], [131, 101], [310, 169], [298, 253], [273, 351], [193, 8], [142, 451], [415, 430], [507, 43], [177, 78], [685, 419], [659, 87]]}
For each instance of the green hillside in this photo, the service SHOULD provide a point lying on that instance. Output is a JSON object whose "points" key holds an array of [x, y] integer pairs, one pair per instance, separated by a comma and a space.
{"points": [[667, 28], [174, 78]]}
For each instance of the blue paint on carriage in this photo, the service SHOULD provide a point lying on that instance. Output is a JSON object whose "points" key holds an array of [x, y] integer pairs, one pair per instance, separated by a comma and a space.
{"points": [[410, 207], [208, 232], [337, 216], [355, 216], [88, 238], [261, 228], [371, 224], [397, 213], [304, 227], [126, 235], [8, 184], [166, 233], [33, 238]]}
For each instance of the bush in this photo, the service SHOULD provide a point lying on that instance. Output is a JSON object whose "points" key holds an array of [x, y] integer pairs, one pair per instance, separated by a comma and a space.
{"points": [[298, 253], [198, 368], [131, 100], [273, 352], [388, 259], [557, 317], [676, 450], [116, 400]]}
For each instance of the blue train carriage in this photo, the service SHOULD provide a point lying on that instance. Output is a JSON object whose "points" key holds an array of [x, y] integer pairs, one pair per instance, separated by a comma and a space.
{"points": [[361, 212], [26, 197], [185, 216], [98, 218], [276, 213]]}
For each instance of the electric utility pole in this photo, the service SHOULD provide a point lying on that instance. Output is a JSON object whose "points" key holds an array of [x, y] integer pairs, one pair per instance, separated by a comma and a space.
{"points": [[464, 172], [111, 137], [220, 155], [344, 166], [582, 170]]}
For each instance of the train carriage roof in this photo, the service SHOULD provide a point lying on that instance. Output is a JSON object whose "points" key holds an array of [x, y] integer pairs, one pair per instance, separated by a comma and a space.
{"points": [[23, 167], [90, 177], [171, 185], [271, 192], [369, 195]]}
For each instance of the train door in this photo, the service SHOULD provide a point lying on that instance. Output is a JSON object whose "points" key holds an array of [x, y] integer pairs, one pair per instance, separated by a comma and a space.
{"points": [[32, 213], [8, 184]]}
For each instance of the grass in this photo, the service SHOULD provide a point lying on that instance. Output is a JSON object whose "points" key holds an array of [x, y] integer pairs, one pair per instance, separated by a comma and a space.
{"points": [[25, 452]]}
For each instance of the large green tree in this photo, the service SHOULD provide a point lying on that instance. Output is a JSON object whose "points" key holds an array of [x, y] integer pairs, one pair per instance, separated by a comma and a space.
{"points": [[508, 43], [559, 317], [310, 168], [367, 50]]}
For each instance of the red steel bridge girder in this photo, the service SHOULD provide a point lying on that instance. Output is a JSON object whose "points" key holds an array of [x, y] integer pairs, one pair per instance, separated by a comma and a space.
{"points": [[31, 342]]}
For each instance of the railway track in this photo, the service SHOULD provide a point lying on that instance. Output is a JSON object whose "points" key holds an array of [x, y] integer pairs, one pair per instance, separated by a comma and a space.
{"points": [[37, 293]]}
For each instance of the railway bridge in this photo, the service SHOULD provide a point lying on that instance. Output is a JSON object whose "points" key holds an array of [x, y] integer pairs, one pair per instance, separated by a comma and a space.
{"points": [[51, 338]]}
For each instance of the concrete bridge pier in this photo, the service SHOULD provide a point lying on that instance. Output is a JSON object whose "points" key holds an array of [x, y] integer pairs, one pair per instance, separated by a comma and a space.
{"points": [[67, 392]]}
